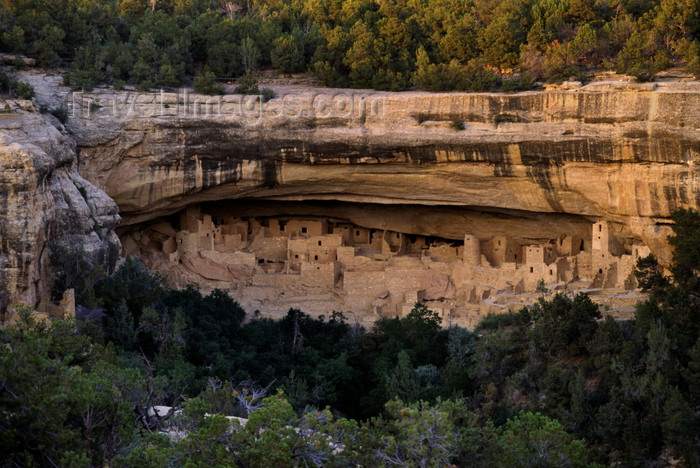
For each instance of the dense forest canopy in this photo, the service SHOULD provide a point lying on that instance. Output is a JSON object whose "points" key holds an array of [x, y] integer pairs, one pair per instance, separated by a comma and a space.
{"points": [[380, 44]]}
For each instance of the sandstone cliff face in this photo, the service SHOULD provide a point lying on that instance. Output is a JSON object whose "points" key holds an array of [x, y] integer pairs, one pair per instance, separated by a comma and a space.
{"points": [[532, 168], [533, 165], [44, 199]]}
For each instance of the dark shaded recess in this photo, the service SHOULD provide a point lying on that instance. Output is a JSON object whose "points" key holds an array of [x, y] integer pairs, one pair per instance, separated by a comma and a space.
{"points": [[435, 239], [270, 173], [662, 223], [276, 208], [343, 211]]}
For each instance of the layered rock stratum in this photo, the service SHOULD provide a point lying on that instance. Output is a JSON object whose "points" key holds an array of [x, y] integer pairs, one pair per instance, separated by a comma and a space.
{"points": [[622, 152], [532, 166], [45, 203]]}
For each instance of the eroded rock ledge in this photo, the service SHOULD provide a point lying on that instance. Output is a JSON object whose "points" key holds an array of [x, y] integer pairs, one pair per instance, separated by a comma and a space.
{"points": [[623, 153]]}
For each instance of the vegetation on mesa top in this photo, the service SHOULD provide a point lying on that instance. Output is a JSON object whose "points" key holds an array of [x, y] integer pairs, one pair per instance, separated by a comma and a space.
{"points": [[388, 45]]}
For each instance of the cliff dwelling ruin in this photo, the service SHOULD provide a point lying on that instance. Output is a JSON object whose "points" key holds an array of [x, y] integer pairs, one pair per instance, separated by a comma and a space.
{"points": [[566, 195], [324, 264]]}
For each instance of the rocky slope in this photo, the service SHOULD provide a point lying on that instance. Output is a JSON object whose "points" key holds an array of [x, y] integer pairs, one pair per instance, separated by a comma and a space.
{"points": [[43, 199]]}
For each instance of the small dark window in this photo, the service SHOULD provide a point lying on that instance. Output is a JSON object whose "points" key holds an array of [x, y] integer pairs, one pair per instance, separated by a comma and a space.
{"points": [[319, 242], [303, 230], [315, 257], [499, 242], [600, 228], [296, 256], [550, 272], [532, 270], [516, 257], [581, 247], [600, 270]]}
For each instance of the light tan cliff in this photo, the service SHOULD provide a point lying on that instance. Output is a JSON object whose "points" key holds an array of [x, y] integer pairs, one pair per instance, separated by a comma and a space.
{"points": [[530, 168], [534, 165], [44, 199]]}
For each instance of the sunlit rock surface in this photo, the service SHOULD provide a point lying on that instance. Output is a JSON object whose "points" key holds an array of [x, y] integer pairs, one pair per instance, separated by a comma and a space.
{"points": [[532, 167], [621, 152]]}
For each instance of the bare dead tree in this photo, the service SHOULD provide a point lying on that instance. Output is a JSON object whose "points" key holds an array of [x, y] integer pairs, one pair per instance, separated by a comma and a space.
{"points": [[151, 419]]}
